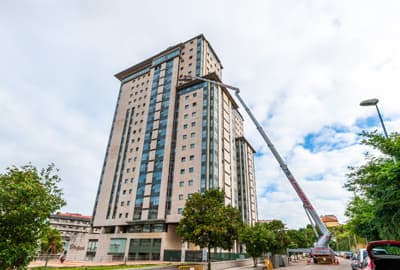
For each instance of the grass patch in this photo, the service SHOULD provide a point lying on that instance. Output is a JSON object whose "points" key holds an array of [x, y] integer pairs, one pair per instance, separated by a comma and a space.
{"points": [[106, 267]]}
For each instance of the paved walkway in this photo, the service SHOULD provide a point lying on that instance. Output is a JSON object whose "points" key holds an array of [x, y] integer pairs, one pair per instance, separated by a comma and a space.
{"points": [[57, 263]]}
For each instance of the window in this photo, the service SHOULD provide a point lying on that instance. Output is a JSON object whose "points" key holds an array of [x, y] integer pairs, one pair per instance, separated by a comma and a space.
{"points": [[180, 197], [193, 114], [183, 159], [124, 192], [190, 195], [192, 135], [184, 136], [185, 116], [183, 147], [190, 183], [128, 170], [122, 203], [130, 191], [126, 180], [193, 124], [117, 245], [182, 171], [191, 169], [131, 180], [194, 94], [126, 215], [186, 97], [192, 145], [128, 202], [191, 157], [181, 183], [187, 106], [120, 215], [180, 211], [194, 104], [185, 126]]}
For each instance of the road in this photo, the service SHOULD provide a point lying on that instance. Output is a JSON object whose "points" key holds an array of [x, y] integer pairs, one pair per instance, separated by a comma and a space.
{"points": [[302, 265]]}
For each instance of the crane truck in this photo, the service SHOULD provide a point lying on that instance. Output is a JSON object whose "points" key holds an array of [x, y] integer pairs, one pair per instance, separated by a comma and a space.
{"points": [[320, 253]]}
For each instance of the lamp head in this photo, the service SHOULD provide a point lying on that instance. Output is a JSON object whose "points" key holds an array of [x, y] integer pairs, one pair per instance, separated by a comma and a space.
{"points": [[369, 102]]}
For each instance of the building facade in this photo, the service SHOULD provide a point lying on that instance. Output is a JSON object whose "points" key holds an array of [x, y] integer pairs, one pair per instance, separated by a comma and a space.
{"points": [[169, 139], [330, 221], [73, 229]]}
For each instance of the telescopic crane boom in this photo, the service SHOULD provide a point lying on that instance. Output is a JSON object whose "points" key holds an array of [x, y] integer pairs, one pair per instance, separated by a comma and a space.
{"points": [[321, 247]]}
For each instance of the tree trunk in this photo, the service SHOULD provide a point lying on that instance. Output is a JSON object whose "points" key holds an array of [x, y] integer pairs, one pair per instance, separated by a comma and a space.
{"points": [[46, 260], [208, 258], [255, 261]]}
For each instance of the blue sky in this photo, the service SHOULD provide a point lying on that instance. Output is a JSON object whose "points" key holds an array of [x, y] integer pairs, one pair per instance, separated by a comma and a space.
{"points": [[302, 66]]}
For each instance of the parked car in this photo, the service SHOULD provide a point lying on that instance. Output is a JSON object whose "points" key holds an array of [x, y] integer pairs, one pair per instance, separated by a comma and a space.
{"points": [[348, 254], [358, 258], [382, 255]]}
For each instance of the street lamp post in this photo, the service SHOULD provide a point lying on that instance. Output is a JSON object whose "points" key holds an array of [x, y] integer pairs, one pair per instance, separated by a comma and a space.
{"points": [[374, 102]]}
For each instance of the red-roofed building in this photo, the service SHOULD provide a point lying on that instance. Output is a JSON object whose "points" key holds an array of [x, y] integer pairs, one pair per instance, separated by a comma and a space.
{"points": [[72, 226], [330, 220]]}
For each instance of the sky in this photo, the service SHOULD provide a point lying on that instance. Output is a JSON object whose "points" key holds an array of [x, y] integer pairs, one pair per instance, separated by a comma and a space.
{"points": [[302, 66]]}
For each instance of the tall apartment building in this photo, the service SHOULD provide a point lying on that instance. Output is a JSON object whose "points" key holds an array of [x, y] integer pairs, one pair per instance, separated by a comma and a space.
{"points": [[169, 139]]}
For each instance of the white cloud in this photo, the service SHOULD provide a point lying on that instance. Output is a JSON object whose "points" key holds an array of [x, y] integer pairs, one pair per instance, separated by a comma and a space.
{"points": [[302, 66]]}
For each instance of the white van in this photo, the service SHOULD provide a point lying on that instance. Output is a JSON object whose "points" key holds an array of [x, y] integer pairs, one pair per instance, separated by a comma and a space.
{"points": [[358, 258]]}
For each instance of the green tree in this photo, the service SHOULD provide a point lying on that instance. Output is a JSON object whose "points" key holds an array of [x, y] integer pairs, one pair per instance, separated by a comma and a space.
{"points": [[257, 240], [301, 238], [281, 239], [51, 243], [374, 211], [208, 223], [27, 198]]}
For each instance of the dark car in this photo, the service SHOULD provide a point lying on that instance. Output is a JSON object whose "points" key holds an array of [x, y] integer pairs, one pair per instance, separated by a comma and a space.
{"points": [[348, 254], [382, 255]]}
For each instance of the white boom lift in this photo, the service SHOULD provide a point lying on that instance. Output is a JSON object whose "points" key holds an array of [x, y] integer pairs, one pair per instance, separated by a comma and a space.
{"points": [[321, 253]]}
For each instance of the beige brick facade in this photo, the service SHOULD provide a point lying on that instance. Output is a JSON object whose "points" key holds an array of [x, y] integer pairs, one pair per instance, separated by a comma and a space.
{"points": [[169, 139]]}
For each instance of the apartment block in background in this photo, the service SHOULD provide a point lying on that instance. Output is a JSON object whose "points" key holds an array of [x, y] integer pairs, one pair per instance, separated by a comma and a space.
{"points": [[168, 140]]}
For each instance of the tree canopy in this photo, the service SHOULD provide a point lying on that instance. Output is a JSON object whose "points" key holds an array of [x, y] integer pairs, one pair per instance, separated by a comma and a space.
{"points": [[281, 239], [208, 223], [27, 198], [51, 243], [374, 211], [258, 240], [301, 238]]}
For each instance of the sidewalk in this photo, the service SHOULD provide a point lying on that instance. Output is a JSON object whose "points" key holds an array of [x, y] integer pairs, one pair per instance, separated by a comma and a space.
{"points": [[260, 266], [57, 263]]}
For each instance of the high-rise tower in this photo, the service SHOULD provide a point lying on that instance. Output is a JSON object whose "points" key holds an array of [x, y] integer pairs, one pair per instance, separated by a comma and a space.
{"points": [[169, 139]]}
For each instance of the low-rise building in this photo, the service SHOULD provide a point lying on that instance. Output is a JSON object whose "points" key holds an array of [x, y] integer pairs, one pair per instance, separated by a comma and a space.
{"points": [[73, 228], [330, 220]]}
